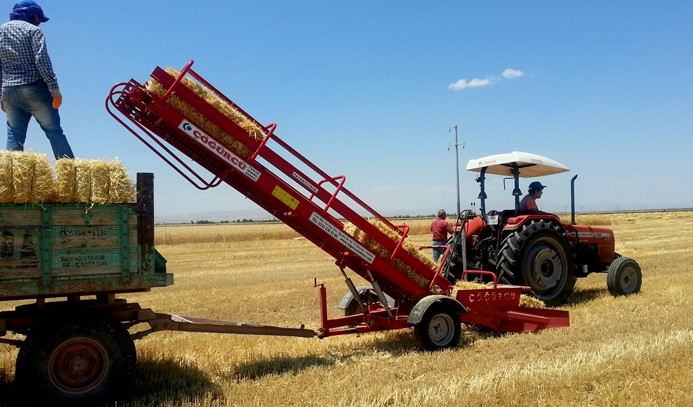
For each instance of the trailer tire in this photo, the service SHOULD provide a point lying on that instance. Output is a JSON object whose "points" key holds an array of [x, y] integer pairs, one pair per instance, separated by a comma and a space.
{"points": [[78, 361], [538, 256], [440, 328], [624, 277], [368, 297]]}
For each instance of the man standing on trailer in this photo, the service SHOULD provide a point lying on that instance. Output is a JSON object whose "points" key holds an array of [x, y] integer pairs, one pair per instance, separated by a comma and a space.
{"points": [[29, 85], [440, 229]]}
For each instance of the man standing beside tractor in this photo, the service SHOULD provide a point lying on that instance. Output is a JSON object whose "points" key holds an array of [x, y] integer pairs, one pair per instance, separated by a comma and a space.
{"points": [[440, 229]]}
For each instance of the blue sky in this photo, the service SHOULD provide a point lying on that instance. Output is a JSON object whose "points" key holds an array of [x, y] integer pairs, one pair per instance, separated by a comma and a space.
{"points": [[369, 89]]}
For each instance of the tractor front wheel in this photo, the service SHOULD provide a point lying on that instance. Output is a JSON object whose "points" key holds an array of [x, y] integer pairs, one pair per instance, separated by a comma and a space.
{"points": [[624, 277]]}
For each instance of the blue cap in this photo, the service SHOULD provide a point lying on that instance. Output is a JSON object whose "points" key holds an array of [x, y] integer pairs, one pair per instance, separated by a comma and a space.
{"points": [[25, 9], [536, 186]]}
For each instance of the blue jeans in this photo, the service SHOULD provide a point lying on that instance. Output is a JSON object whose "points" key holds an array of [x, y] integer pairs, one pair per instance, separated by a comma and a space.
{"points": [[24, 101], [437, 252]]}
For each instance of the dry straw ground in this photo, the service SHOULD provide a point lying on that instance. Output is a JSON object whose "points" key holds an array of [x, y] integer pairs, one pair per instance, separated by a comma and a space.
{"points": [[628, 351]]}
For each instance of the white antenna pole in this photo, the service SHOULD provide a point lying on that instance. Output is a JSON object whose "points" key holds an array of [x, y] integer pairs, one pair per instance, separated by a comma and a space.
{"points": [[457, 165]]}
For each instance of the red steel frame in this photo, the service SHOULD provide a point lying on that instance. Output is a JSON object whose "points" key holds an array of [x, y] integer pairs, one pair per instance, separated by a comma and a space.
{"points": [[313, 207]]}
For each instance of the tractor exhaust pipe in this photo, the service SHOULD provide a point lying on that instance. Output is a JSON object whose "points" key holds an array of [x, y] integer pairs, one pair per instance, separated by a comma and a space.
{"points": [[572, 200]]}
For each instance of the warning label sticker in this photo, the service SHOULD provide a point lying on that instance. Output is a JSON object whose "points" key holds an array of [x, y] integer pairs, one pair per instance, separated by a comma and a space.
{"points": [[285, 197], [342, 237]]}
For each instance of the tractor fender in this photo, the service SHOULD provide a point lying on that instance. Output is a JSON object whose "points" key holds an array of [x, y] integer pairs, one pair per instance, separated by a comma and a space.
{"points": [[417, 313], [517, 222], [348, 297]]}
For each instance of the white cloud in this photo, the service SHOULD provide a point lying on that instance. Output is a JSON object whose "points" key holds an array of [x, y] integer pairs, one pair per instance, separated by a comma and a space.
{"points": [[474, 83], [512, 73], [478, 83]]}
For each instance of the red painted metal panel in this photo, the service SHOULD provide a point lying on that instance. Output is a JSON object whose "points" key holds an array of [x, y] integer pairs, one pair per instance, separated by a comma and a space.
{"points": [[284, 190]]}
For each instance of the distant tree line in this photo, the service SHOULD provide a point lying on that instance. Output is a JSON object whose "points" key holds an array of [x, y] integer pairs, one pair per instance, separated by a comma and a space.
{"points": [[212, 222]]}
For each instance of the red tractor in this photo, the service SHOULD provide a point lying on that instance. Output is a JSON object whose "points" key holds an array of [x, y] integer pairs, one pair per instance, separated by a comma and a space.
{"points": [[536, 250]]}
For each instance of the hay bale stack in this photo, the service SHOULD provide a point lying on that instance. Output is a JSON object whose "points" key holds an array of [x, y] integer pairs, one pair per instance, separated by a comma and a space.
{"points": [[25, 178], [30, 178], [93, 181], [254, 131], [383, 253], [525, 300]]}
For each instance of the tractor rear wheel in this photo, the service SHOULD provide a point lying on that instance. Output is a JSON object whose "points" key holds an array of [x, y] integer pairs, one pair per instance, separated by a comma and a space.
{"points": [[538, 256], [440, 328], [79, 361], [624, 277]]}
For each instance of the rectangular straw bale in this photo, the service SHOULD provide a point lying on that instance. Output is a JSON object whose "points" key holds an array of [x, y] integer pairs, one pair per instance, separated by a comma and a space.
{"points": [[66, 180], [22, 177], [201, 121], [407, 245], [25, 177], [121, 187], [211, 128], [43, 188], [100, 181], [222, 106], [384, 253], [6, 194], [82, 180], [531, 302]]}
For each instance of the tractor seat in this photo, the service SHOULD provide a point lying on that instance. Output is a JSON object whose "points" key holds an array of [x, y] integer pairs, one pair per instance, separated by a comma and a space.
{"points": [[507, 214]]}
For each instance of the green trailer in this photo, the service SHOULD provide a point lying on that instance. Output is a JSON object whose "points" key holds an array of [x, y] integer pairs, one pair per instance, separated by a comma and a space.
{"points": [[61, 269], [62, 265]]}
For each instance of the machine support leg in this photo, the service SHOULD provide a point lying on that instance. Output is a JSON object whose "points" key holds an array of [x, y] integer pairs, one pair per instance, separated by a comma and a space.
{"points": [[381, 295], [353, 290], [323, 304]]}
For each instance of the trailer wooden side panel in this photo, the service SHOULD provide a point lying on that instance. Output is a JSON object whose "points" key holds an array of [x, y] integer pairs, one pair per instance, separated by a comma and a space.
{"points": [[52, 250]]}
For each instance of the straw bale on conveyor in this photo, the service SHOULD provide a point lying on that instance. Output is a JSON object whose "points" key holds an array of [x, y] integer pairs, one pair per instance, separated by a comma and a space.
{"points": [[211, 128], [382, 252]]}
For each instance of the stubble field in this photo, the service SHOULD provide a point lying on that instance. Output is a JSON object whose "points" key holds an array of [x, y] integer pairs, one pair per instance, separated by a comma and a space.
{"points": [[626, 351]]}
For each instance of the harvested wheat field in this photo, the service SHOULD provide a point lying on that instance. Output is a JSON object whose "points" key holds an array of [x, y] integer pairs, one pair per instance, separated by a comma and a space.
{"points": [[626, 351]]}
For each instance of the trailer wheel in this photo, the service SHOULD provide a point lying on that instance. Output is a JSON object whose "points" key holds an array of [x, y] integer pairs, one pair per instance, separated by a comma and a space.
{"points": [[77, 361], [624, 277], [539, 257], [439, 328], [368, 297]]}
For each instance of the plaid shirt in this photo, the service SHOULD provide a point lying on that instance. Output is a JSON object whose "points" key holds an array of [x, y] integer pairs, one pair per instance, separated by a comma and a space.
{"points": [[23, 55]]}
